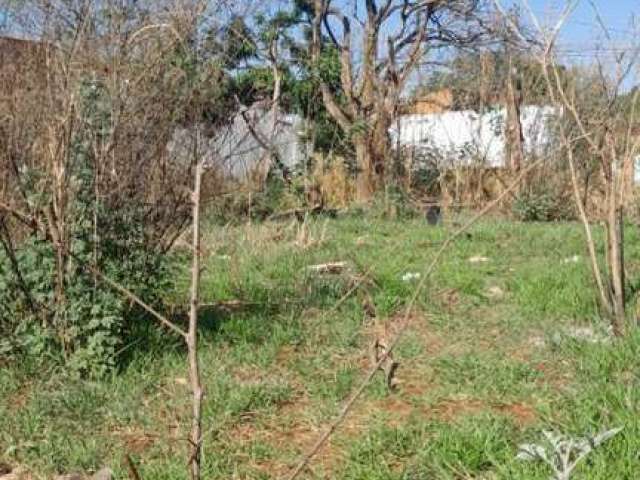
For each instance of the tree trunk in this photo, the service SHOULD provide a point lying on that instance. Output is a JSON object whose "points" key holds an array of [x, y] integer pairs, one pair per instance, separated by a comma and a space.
{"points": [[381, 151], [372, 150], [365, 185], [616, 263], [514, 137]]}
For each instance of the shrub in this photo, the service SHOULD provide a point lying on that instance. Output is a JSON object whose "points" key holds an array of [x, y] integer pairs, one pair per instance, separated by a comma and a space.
{"points": [[541, 205], [83, 324], [86, 329]]}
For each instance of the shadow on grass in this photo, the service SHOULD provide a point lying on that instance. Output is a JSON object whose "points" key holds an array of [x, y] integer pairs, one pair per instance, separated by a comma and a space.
{"points": [[146, 337]]}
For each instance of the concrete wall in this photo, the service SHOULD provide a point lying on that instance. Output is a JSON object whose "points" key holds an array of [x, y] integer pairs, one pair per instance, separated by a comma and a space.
{"points": [[466, 137], [449, 138]]}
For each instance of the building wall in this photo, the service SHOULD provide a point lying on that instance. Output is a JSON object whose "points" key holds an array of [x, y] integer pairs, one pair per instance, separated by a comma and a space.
{"points": [[235, 152], [466, 137], [450, 138]]}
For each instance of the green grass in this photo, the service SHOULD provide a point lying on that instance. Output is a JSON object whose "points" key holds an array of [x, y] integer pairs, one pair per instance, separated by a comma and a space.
{"points": [[478, 375]]}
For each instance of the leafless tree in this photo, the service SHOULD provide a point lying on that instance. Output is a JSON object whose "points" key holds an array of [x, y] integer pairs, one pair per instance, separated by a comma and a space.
{"points": [[606, 124], [380, 44], [128, 55]]}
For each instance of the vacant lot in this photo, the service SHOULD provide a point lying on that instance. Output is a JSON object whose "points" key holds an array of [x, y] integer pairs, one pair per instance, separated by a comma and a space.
{"points": [[504, 343]]}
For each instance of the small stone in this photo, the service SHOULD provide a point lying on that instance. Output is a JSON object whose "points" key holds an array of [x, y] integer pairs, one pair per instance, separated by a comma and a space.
{"points": [[495, 292], [478, 259]]}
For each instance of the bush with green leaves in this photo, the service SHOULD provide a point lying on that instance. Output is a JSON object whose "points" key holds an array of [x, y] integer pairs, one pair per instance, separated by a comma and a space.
{"points": [[85, 325], [541, 205], [86, 329]]}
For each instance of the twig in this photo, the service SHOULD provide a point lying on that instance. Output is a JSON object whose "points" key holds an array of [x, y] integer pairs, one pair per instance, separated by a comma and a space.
{"points": [[330, 267], [131, 296], [133, 471], [302, 464], [192, 335], [23, 217]]}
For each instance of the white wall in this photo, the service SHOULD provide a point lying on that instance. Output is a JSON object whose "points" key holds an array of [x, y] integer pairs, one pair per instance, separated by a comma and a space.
{"points": [[450, 138], [465, 136]]}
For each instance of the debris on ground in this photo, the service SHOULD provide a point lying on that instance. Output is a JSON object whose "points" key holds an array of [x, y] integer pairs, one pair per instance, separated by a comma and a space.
{"points": [[22, 473], [410, 276], [537, 341], [231, 306], [574, 259], [331, 267], [494, 292], [103, 474], [586, 334], [582, 334], [361, 241], [478, 259], [388, 366]]}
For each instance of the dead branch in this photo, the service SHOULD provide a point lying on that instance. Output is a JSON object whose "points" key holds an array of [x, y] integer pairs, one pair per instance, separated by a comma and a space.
{"points": [[328, 268], [348, 405], [192, 334], [131, 296], [133, 470]]}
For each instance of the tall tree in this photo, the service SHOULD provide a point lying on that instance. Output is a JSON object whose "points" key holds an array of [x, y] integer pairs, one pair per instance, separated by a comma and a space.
{"points": [[380, 45], [282, 78]]}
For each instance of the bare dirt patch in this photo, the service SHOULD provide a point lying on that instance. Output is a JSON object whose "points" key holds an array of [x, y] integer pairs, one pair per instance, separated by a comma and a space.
{"points": [[14, 473], [452, 408], [136, 441], [19, 399], [522, 413], [295, 424]]}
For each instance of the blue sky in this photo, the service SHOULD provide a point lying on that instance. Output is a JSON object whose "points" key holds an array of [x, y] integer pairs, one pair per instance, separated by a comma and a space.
{"points": [[581, 35]]}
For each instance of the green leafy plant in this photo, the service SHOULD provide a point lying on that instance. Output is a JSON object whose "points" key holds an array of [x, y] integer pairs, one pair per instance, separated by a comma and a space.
{"points": [[84, 327], [541, 205]]}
